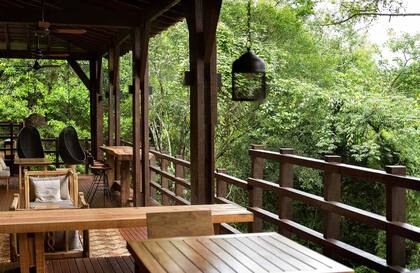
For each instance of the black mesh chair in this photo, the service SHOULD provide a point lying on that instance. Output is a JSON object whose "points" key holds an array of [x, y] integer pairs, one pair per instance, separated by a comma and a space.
{"points": [[69, 147], [29, 143]]}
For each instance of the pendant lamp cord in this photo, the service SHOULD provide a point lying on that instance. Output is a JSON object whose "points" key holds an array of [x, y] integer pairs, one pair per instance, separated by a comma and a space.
{"points": [[249, 42]]}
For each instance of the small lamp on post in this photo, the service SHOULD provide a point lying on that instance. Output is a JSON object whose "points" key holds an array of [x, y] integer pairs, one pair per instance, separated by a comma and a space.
{"points": [[248, 73]]}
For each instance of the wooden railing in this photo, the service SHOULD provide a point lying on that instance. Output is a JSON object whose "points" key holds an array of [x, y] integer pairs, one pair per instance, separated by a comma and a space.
{"points": [[393, 223], [168, 177], [168, 180]]}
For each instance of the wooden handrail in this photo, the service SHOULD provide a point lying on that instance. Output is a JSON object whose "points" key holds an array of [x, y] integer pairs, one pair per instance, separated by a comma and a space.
{"points": [[368, 174], [394, 180]]}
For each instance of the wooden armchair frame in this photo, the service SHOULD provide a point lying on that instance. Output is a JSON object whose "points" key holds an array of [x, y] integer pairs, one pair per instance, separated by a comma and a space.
{"points": [[77, 199]]}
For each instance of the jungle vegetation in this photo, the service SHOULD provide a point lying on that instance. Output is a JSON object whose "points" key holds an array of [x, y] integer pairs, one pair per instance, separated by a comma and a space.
{"points": [[330, 91]]}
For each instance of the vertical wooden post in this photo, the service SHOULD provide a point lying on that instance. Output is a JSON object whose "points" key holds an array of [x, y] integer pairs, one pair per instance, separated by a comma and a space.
{"points": [[96, 98], [255, 194], [202, 17], [221, 185], [111, 117], [332, 192], [117, 96], [140, 116], [285, 180], [395, 211], [152, 176], [179, 172], [163, 180]]}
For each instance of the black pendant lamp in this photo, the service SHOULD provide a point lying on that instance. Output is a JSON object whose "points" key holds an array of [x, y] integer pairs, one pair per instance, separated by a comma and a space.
{"points": [[248, 73]]}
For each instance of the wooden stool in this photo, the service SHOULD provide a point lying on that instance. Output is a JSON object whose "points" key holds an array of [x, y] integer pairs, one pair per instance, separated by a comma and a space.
{"points": [[100, 181]]}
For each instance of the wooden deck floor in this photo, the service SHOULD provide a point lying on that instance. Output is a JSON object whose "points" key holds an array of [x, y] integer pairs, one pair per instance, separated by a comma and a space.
{"points": [[124, 264]]}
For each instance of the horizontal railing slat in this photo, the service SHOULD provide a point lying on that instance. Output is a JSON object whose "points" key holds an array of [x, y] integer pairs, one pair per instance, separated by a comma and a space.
{"points": [[171, 177], [170, 194], [367, 174], [231, 180], [172, 159], [362, 216]]}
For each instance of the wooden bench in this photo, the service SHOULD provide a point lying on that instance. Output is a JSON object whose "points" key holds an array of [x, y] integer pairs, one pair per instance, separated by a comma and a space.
{"points": [[26, 223]]}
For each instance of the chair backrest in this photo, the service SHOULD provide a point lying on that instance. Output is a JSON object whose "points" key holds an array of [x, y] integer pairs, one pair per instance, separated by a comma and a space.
{"points": [[179, 224], [29, 143], [69, 147], [70, 174]]}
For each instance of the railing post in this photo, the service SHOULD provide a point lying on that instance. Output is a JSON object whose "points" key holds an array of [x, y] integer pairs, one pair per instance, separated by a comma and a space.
{"points": [[255, 193], [57, 158], [332, 192], [179, 173], [285, 180], [163, 180], [152, 176], [221, 186], [395, 211]]}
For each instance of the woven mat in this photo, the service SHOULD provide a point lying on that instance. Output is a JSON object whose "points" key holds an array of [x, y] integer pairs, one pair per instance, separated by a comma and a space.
{"points": [[103, 243]]}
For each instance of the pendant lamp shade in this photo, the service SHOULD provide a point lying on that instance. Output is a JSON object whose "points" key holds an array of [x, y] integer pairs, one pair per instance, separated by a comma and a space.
{"points": [[248, 78]]}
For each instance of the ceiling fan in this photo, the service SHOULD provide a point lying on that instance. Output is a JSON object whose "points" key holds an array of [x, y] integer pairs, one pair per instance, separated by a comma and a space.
{"points": [[38, 53], [44, 28], [37, 66]]}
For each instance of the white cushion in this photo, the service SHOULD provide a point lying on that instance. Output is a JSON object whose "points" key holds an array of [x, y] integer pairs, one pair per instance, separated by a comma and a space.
{"points": [[47, 190], [64, 185], [5, 173], [2, 164]]}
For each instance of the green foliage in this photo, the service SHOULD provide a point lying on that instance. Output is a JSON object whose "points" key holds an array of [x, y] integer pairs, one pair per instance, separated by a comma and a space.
{"points": [[328, 93]]}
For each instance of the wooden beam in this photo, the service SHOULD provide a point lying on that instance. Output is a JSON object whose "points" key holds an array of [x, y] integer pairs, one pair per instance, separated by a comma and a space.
{"points": [[212, 9], [25, 54], [159, 8], [96, 97], [7, 36], [75, 13], [136, 40], [202, 98], [117, 95], [144, 121], [140, 39], [111, 96], [79, 72]]}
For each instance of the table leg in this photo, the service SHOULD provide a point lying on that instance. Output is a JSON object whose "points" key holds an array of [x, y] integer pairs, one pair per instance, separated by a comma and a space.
{"points": [[39, 253], [20, 178], [125, 182], [24, 255]]}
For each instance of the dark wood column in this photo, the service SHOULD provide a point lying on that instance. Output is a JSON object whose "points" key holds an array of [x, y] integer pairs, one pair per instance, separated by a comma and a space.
{"points": [[140, 116], [117, 96], [111, 98], [96, 106], [202, 17], [114, 115]]}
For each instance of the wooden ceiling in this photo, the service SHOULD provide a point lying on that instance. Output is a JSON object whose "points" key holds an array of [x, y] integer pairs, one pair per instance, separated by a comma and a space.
{"points": [[106, 22]]}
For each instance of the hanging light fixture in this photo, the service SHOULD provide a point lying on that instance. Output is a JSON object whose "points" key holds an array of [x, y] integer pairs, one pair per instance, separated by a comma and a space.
{"points": [[248, 72]]}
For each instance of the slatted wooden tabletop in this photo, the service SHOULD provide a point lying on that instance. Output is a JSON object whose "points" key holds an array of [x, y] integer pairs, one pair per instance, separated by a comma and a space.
{"points": [[103, 218], [255, 252], [121, 152]]}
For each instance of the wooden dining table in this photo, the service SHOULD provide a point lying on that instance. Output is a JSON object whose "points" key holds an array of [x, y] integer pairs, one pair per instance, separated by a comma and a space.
{"points": [[245, 253], [34, 223], [120, 158]]}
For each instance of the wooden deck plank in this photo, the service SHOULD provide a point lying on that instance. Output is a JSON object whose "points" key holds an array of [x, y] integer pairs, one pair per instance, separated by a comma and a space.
{"points": [[90, 265], [113, 264]]}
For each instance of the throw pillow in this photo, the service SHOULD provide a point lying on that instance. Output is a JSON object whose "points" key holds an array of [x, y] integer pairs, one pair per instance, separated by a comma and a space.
{"points": [[64, 185], [47, 190], [2, 164]]}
